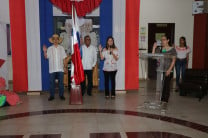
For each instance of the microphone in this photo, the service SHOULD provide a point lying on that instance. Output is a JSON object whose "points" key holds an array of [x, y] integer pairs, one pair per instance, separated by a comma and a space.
{"points": [[110, 50]]}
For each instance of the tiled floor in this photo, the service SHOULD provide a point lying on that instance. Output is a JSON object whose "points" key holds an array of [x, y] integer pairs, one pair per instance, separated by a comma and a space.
{"points": [[101, 118]]}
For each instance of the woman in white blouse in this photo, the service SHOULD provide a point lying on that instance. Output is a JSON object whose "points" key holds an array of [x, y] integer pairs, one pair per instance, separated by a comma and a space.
{"points": [[183, 51], [110, 56]]}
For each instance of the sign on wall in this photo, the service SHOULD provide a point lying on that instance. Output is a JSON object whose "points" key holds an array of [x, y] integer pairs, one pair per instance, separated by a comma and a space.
{"points": [[200, 7]]}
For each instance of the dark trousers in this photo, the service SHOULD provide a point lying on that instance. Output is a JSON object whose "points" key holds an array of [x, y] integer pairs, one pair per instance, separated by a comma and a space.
{"points": [[180, 70], [87, 73], [69, 80], [110, 75], [69, 75], [166, 88], [60, 76]]}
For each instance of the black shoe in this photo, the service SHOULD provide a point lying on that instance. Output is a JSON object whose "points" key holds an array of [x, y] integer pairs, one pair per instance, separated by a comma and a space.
{"points": [[83, 92], [113, 97], [50, 98], [176, 90], [62, 98], [89, 94]]}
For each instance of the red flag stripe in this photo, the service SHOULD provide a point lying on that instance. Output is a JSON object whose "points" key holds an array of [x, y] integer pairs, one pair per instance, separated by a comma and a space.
{"points": [[78, 68], [132, 45], [18, 41]]}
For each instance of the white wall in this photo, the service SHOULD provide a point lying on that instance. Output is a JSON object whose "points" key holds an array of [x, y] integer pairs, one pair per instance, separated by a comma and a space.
{"points": [[4, 11], [168, 11]]}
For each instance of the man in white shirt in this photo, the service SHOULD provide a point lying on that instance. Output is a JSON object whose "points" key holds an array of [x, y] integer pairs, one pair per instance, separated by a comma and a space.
{"points": [[89, 59], [57, 65]]}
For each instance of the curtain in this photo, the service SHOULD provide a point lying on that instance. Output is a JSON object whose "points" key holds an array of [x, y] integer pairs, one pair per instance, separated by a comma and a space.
{"points": [[19, 45], [119, 37], [106, 24], [46, 31], [33, 45]]}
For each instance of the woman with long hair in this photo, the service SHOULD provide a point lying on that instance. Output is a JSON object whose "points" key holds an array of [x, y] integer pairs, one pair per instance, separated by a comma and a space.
{"points": [[170, 52], [110, 56], [182, 60]]}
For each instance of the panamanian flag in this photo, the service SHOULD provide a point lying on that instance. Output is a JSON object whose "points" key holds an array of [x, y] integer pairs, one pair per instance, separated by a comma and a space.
{"points": [[31, 23], [77, 72]]}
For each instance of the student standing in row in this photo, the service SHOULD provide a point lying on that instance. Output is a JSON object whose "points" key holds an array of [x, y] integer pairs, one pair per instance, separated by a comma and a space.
{"points": [[110, 56], [89, 60], [57, 65], [182, 60]]}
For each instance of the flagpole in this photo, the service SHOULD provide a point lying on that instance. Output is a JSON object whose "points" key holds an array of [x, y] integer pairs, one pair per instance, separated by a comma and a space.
{"points": [[76, 93], [72, 49]]}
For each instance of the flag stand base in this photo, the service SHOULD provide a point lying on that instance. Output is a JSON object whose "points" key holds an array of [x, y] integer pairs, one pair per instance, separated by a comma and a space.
{"points": [[76, 95]]}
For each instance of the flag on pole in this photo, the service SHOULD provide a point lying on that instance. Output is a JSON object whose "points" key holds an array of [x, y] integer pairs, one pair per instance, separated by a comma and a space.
{"points": [[77, 72]]}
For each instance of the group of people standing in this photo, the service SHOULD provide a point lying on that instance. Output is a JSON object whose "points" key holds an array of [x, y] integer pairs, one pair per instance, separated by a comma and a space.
{"points": [[58, 61]]}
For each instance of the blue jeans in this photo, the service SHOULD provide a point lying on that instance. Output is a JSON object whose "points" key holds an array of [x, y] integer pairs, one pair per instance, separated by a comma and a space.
{"points": [[60, 76], [180, 69]]}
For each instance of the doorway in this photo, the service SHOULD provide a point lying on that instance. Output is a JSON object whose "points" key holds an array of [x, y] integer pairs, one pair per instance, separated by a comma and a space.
{"points": [[155, 31]]}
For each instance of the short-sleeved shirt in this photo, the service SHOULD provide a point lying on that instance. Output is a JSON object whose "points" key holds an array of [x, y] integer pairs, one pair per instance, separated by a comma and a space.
{"points": [[110, 64], [171, 53], [56, 56], [182, 52], [89, 57]]}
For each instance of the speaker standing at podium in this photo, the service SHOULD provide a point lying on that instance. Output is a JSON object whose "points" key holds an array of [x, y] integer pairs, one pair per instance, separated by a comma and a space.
{"points": [[169, 65]]}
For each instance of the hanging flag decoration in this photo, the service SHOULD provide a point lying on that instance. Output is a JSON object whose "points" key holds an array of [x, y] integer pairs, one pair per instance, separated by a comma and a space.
{"points": [[82, 6]]}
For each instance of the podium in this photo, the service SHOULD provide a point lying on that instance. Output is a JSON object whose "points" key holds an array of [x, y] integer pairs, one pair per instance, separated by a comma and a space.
{"points": [[160, 70]]}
